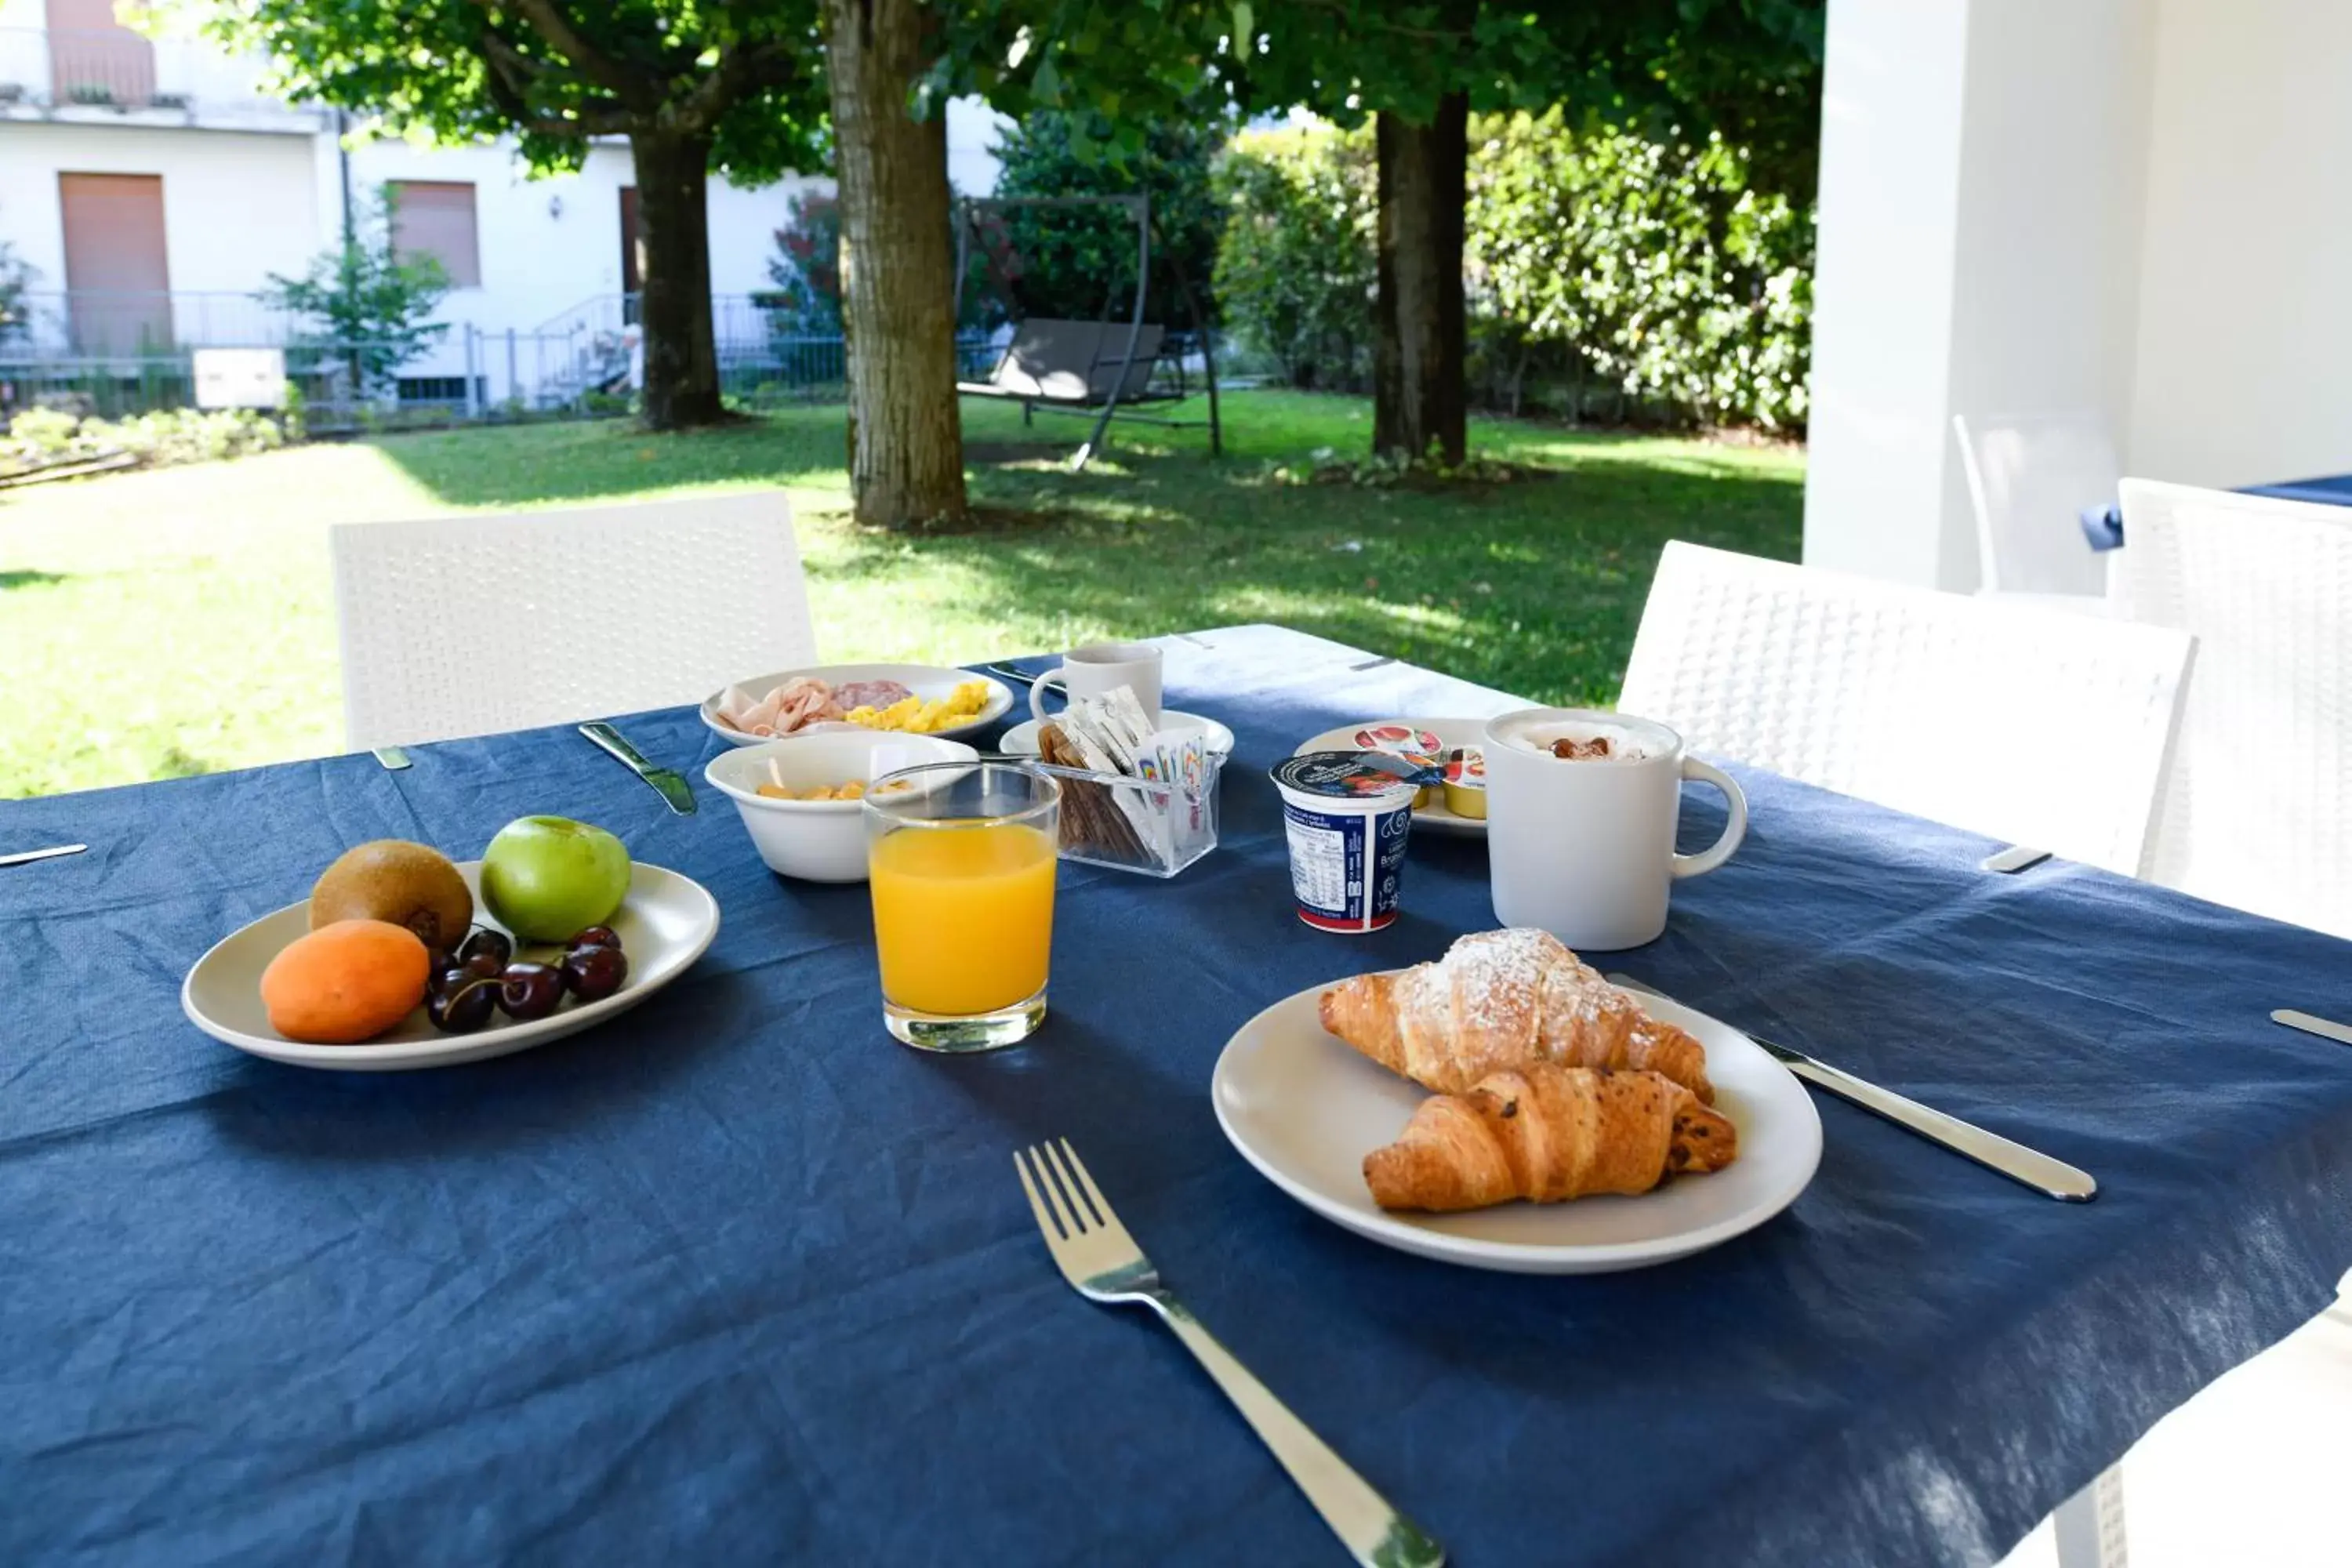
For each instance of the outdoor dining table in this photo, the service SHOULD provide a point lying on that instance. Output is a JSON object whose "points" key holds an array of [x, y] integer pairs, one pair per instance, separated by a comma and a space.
{"points": [[734, 1277], [2102, 525]]}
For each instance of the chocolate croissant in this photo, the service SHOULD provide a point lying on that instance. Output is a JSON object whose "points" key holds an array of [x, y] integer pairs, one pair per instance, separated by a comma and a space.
{"points": [[1503, 999], [1548, 1134]]}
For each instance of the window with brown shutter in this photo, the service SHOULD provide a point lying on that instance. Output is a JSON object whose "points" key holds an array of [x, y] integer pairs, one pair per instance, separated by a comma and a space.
{"points": [[435, 217]]}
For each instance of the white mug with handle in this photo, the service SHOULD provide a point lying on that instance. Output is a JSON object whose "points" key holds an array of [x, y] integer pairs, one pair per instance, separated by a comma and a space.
{"points": [[1585, 847], [1098, 668]]}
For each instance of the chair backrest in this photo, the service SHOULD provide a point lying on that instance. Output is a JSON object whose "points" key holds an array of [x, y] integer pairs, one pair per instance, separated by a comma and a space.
{"points": [[2257, 809], [2027, 724], [2030, 477], [461, 625]]}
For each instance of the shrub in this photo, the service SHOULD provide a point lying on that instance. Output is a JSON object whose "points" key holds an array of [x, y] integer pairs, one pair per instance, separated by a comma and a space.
{"points": [[1653, 267], [41, 438], [1294, 271]]}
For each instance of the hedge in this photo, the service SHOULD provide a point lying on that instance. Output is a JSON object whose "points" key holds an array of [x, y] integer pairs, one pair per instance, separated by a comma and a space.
{"points": [[1650, 270]]}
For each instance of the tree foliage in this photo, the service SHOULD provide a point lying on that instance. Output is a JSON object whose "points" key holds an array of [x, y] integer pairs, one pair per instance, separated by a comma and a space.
{"points": [[15, 281], [1294, 268], [556, 73], [1077, 262], [806, 269], [370, 307]]}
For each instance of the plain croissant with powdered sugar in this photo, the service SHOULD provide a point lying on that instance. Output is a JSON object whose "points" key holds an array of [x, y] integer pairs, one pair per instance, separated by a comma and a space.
{"points": [[1500, 1000]]}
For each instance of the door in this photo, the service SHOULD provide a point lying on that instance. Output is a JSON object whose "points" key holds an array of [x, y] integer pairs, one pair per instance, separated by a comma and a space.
{"points": [[633, 256], [117, 287], [94, 59]]}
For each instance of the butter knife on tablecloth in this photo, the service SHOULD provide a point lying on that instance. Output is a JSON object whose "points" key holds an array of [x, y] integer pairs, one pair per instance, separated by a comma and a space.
{"points": [[673, 789], [2030, 1167]]}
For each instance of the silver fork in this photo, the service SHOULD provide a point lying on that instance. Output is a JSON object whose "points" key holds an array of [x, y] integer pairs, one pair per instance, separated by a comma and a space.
{"points": [[1103, 1264]]}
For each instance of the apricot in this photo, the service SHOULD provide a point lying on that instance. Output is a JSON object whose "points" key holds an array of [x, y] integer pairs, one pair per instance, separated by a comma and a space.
{"points": [[345, 981]]}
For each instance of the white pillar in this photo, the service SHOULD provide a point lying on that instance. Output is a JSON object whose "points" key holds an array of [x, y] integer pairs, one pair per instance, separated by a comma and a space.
{"points": [[1982, 169]]}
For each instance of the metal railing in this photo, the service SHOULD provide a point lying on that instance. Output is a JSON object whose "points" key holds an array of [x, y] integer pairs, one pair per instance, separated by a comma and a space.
{"points": [[115, 353], [101, 321], [53, 67]]}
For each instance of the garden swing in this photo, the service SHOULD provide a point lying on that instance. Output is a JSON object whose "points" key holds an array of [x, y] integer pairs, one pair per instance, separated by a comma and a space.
{"points": [[1100, 367]]}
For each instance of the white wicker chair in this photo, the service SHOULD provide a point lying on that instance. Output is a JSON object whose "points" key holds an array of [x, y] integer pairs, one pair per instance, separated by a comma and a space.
{"points": [[2256, 811], [2030, 477], [2028, 725], [462, 625]]}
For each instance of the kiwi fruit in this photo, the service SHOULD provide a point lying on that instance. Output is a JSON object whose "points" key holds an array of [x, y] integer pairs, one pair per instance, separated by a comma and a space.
{"points": [[410, 885]]}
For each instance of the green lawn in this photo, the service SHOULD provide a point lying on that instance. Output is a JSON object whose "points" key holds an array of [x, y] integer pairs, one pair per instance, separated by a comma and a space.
{"points": [[180, 621]]}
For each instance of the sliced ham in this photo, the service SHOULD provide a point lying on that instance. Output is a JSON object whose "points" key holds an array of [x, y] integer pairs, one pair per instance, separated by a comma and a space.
{"points": [[803, 699], [877, 694]]}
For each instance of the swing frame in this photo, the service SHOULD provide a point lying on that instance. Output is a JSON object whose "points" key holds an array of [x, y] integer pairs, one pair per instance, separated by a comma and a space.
{"points": [[969, 211]]}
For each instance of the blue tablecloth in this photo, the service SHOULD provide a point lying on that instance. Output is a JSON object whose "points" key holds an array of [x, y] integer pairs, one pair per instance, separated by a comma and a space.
{"points": [[735, 1278], [2104, 525]]}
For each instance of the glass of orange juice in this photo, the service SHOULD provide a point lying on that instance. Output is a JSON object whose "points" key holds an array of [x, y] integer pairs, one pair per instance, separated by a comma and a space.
{"points": [[961, 858]]}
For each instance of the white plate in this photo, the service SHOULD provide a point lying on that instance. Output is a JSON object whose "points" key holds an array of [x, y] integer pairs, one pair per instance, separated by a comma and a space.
{"points": [[1304, 1109], [664, 925], [1021, 740], [1433, 818], [929, 681]]}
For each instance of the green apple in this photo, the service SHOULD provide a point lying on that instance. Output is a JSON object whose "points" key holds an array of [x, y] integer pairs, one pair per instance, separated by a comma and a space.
{"points": [[545, 878]]}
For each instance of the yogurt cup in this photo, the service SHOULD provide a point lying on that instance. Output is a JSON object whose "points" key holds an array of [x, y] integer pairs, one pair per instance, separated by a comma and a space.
{"points": [[1347, 818]]}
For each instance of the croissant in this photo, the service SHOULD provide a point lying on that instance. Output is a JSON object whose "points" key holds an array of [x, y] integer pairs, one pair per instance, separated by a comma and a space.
{"points": [[1505, 999], [1548, 1134]]}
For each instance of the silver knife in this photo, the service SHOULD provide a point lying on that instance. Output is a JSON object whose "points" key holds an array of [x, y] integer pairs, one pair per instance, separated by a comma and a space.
{"points": [[667, 784], [26, 857], [2051, 1178], [2311, 1024]]}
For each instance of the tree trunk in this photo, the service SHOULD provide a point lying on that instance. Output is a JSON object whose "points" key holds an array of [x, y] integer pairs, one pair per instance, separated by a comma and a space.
{"points": [[674, 227], [1418, 349], [897, 275]]}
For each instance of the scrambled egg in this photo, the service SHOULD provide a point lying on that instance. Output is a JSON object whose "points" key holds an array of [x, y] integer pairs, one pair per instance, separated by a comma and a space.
{"points": [[914, 716], [854, 790]]}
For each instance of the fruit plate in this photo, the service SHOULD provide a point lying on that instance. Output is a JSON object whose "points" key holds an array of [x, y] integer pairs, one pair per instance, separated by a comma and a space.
{"points": [[664, 924], [1432, 817], [929, 682], [1304, 1109]]}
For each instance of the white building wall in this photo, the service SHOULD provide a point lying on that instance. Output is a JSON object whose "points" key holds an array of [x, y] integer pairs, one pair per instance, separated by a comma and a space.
{"points": [[2243, 369], [237, 205], [2139, 208]]}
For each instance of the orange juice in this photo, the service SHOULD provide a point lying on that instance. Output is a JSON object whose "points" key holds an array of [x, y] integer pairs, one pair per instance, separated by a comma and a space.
{"points": [[964, 916]]}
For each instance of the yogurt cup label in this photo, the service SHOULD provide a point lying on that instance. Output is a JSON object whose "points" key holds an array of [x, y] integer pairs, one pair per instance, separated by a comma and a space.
{"points": [[1347, 868]]}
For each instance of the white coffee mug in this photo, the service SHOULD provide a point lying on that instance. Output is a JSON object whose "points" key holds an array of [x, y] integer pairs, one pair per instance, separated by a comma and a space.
{"points": [[1584, 849], [1098, 668]]}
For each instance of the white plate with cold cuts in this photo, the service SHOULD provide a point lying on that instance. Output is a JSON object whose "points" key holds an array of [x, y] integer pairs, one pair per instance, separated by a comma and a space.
{"points": [[1305, 1109], [1021, 740], [665, 923], [931, 682], [1430, 816]]}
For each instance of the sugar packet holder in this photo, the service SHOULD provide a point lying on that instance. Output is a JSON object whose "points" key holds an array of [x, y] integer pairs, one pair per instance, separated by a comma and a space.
{"points": [[1154, 825]]}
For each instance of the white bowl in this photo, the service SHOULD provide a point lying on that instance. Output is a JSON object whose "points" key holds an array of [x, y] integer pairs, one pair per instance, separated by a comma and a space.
{"points": [[818, 840]]}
